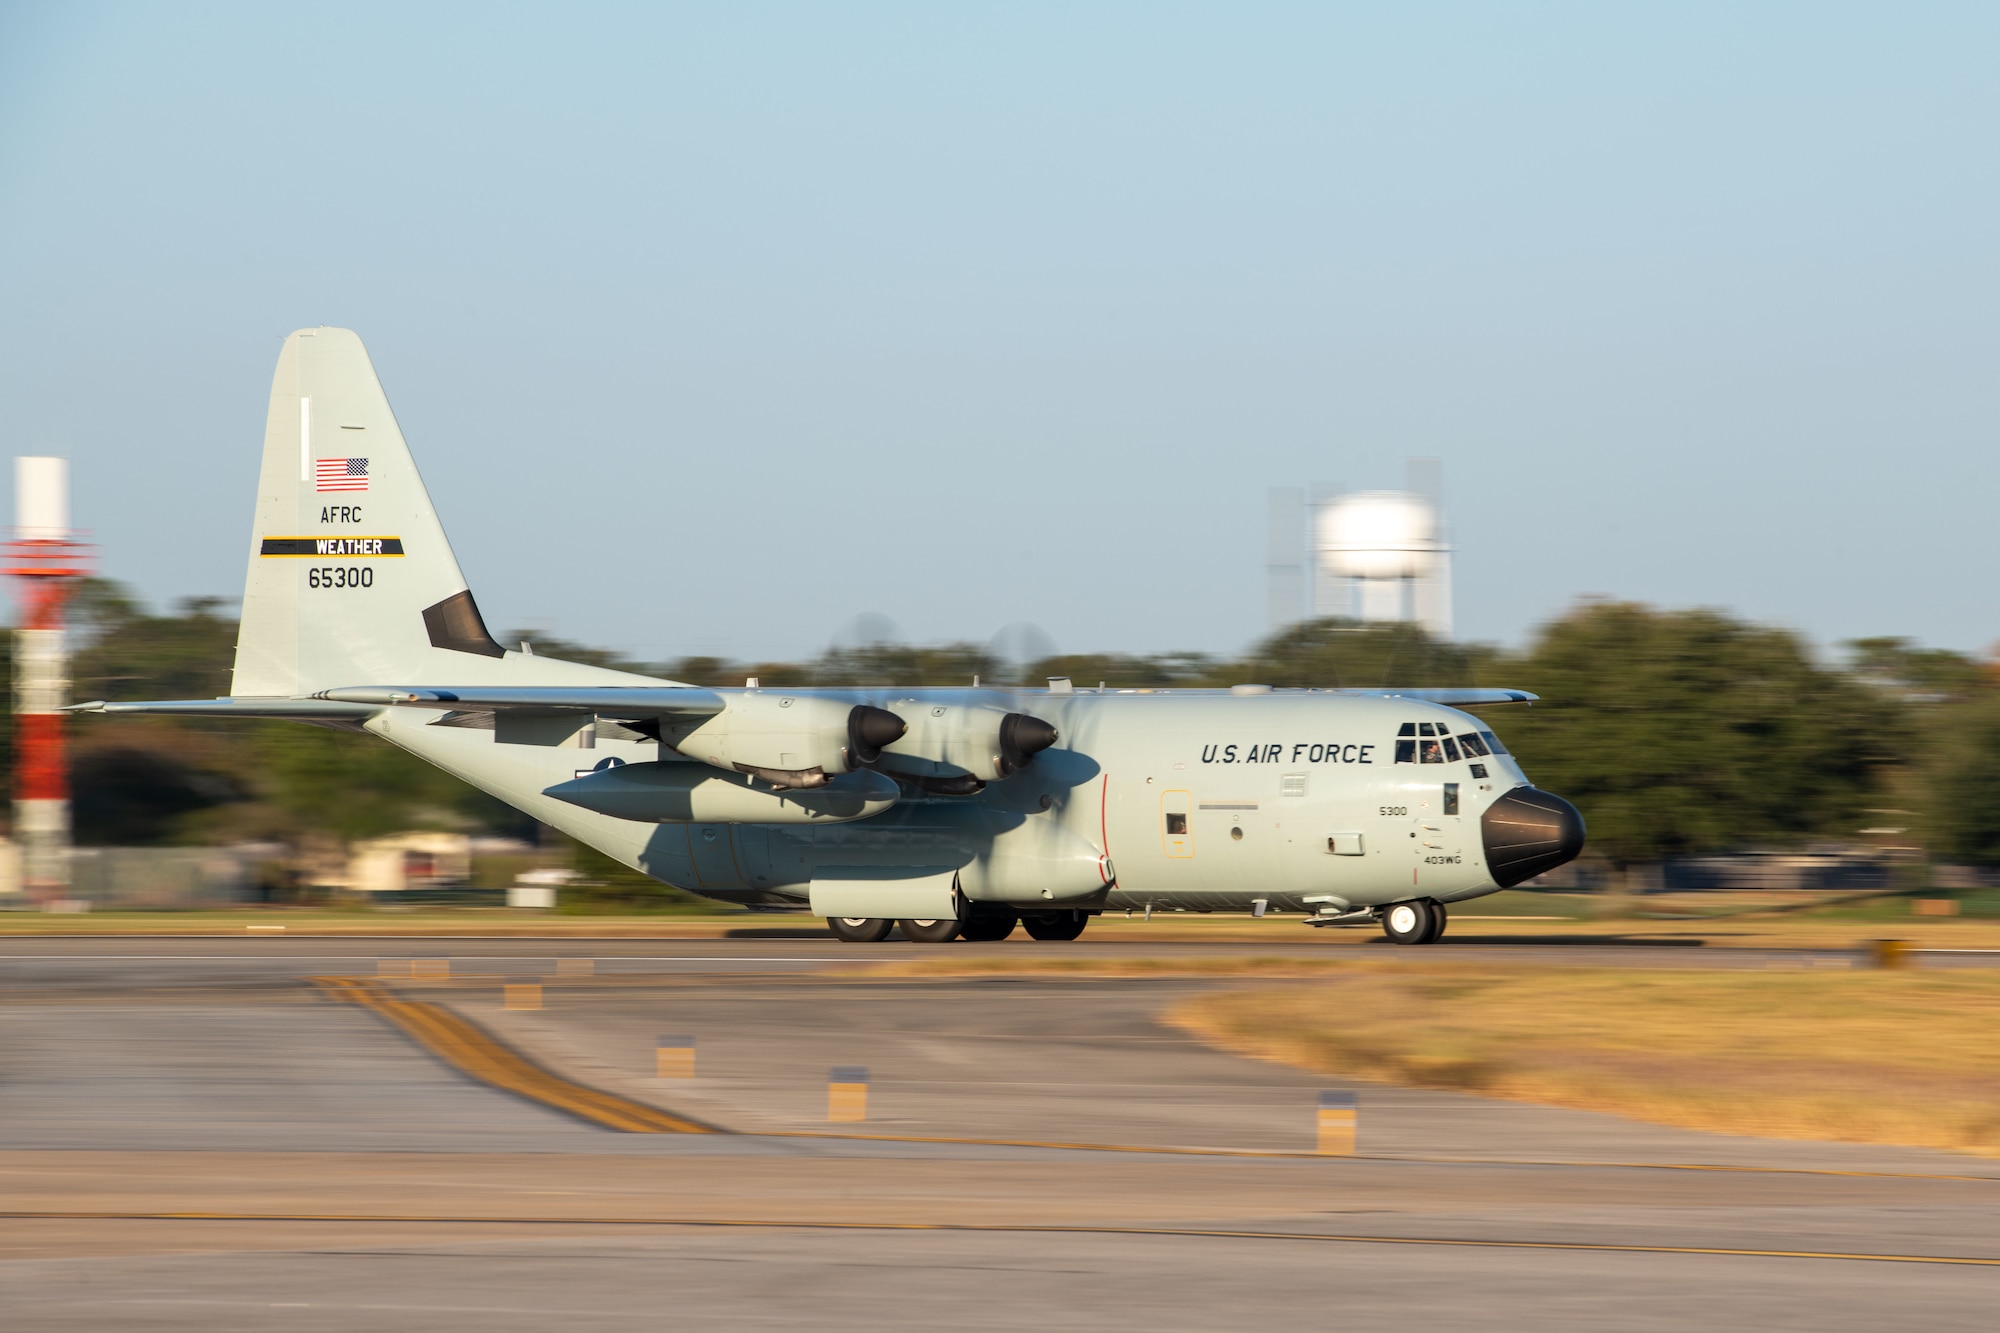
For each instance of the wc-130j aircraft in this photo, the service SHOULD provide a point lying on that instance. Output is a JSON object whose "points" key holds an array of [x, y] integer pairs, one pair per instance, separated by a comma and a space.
{"points": [[954, 812]]}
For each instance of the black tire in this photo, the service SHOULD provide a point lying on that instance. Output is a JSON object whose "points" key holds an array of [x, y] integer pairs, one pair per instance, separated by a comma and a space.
{"points": [[1409, 923], [1443, 919], [860, 929], [988, 925], [1055, 925], [930, 932]]}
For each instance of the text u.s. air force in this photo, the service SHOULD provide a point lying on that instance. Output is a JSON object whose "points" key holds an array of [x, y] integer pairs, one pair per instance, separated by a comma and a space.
{"points": [[1289, 752]]}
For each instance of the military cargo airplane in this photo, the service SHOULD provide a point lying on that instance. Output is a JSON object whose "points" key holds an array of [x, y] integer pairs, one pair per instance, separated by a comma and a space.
{"points": [[955, 813]]}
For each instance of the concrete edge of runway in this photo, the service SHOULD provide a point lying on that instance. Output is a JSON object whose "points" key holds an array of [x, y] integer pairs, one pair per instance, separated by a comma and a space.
{"points": [[1019, 1228]]}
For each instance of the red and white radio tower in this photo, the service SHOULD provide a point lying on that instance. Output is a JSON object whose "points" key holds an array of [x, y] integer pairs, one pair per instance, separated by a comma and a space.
{"points": [[47, 563]]}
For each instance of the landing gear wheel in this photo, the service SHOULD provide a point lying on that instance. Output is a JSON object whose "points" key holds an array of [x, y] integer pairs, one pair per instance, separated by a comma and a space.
{"points": [[1055, 925], [1410, 923], [1437, 927], [930, 932], [985, 926], [859, 929]]}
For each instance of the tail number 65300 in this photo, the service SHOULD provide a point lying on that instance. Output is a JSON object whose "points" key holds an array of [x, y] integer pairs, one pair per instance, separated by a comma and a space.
{"points": [[340, 576]]}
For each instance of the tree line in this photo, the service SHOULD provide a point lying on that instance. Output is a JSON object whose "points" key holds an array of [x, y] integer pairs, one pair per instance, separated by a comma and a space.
{"points": [[1676, 732]]}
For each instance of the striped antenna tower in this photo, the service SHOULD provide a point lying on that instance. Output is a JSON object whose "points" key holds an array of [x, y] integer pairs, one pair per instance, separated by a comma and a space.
{"points": [[46, 561]]}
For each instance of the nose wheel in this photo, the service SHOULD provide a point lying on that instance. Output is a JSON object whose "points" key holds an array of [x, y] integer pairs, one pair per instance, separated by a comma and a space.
{"points": [[1419, 922]]}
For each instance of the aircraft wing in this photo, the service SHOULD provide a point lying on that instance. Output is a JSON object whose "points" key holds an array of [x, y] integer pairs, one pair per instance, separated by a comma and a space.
{"points": [[617, 701], [1453, 698], [296, 710]]}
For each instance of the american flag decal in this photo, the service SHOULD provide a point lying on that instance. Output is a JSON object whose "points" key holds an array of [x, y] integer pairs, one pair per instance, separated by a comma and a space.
{"points": [[340, 474]]}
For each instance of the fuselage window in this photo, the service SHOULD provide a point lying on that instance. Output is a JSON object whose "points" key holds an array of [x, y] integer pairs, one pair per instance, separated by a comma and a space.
{"points": [[1406, 750], [1176, 824], [1474, 747], [1450, 750], [1494, 742], [1451, 798], [1433, 753]]}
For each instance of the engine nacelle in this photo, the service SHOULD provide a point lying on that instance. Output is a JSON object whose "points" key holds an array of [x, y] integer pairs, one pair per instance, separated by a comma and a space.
{"points": [[695, 794], [789, 740], [950, 743]]}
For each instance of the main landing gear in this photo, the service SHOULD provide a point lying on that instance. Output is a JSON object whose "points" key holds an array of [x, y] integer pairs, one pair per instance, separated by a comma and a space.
{"points": [[985, 924], [875, 929], [860, 929], [1419, 922], [1055, 925], [981, 924]]}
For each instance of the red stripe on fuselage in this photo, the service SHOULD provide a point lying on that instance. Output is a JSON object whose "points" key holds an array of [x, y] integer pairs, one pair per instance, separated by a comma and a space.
{"points": [[1104, 827]]}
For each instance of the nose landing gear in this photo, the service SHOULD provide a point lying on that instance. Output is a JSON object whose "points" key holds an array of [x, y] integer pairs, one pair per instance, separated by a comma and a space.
{"points": [[1419, 922]]}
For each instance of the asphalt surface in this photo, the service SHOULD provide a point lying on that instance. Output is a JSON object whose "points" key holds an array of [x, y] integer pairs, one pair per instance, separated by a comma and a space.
{"points": [[342, 1174]]}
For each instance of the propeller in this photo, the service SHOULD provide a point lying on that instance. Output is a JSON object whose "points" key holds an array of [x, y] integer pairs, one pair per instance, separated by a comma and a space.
{"points": [[868, 730], [1022, 738]]}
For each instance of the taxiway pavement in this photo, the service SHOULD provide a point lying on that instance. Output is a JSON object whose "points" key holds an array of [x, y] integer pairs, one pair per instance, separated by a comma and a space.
{"points": [[191, 1137]]}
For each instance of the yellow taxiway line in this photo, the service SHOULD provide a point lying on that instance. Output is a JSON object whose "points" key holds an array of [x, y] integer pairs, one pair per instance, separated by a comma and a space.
{"points": [[470, 1049]]}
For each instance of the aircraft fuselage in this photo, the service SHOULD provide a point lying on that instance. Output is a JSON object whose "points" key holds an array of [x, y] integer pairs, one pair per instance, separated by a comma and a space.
{"points": [[1310, 801]]}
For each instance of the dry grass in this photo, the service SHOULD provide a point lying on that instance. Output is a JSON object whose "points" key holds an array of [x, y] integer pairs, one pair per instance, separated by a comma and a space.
{"points": [[1864, 1057]]}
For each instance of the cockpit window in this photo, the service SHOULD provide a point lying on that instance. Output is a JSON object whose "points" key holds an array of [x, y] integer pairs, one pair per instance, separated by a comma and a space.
{"points": [[1472, 745], [1494, 742], [1433, 754], [1426, 729], [1450, 750], [1407, 729], [1406, 751]]}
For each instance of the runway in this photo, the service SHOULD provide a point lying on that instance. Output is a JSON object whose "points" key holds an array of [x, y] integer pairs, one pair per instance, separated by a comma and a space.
{"points": [[193, 1137]]}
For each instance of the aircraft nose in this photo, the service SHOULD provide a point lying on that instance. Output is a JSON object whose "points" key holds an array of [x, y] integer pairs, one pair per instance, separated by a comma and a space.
{"points": [[1529, 831]]}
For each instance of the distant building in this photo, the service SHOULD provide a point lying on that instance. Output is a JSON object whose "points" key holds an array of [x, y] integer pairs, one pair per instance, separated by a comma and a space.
{"points": [[1379, 556], [406, 861]]}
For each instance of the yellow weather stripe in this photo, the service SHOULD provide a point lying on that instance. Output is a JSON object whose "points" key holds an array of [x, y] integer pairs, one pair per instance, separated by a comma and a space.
{"points": [[320, 548], [472, 1051]]}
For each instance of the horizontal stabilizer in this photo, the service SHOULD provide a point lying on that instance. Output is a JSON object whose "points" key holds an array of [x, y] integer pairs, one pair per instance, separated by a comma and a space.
{"points": [[616, 701], [1452, 698], [298, 710]]}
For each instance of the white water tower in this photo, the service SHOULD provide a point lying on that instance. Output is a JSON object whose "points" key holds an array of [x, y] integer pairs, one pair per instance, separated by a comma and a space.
{"points": [[1382, 557], [1365, 555]]}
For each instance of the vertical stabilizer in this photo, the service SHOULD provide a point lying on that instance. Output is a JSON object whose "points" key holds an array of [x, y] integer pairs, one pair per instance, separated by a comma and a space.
{"points": [[351, 579]]}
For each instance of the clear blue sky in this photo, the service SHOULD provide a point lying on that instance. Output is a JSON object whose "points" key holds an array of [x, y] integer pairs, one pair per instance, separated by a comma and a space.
{"points": [[715, 325]]}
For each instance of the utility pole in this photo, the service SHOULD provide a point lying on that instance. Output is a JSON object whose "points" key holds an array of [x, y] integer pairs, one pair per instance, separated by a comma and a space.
{"points": [[46, 563]]}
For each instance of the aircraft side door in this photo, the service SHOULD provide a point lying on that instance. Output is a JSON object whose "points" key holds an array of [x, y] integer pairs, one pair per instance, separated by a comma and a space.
{"points": [[1177, 824]]}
